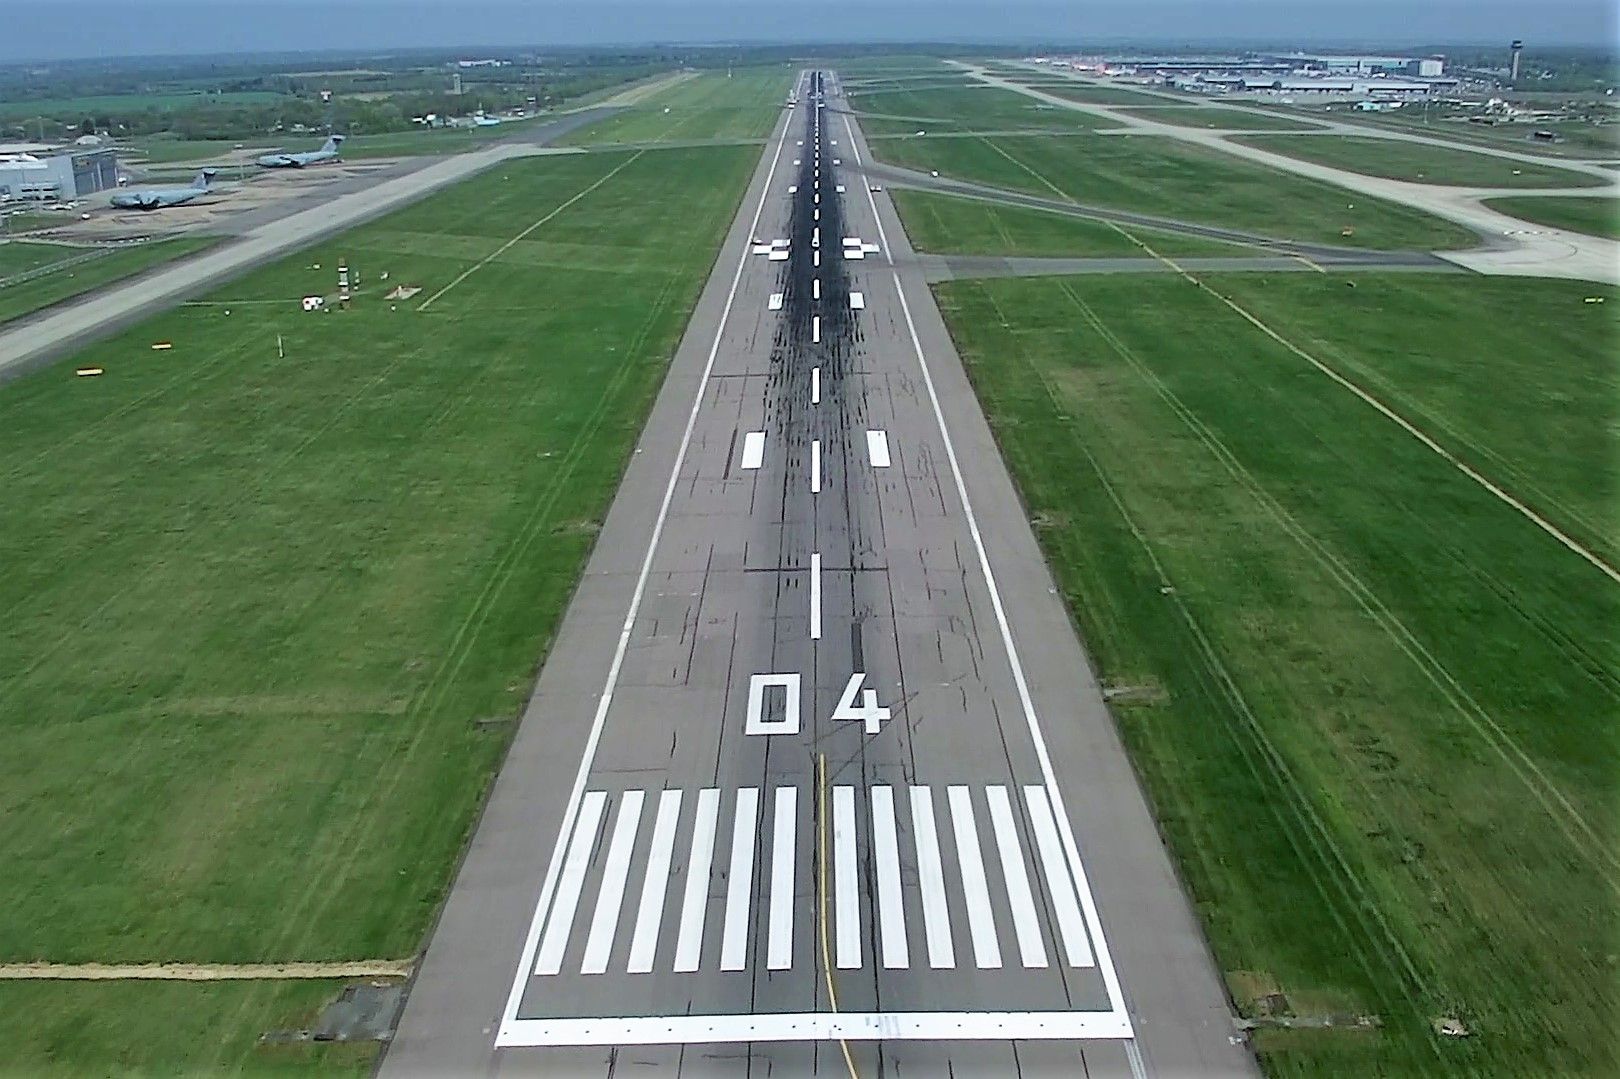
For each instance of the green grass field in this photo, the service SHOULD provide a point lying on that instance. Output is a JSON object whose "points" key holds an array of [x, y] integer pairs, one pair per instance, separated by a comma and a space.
{"points": [[60, 106], [77, 278], [1380, 735], [982, 108], [1169, 178], [270, 619], [1418, 162], [711, 106], [945, 224], [1595, 216], [1217, 118], [1577, 139]]}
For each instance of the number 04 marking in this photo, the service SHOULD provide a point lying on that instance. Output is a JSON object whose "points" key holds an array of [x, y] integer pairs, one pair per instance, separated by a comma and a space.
{"points": [[868, 711]]}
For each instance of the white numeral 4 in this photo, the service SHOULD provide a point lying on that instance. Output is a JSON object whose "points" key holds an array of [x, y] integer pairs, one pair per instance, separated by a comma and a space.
{"points": [[868, 711]]}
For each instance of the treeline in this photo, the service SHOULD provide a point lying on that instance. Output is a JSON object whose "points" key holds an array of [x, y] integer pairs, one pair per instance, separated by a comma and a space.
{"points": [[399, 98]]}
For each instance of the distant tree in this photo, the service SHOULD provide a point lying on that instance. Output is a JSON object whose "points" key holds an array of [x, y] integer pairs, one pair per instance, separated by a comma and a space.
{"points": [[87, 126]]}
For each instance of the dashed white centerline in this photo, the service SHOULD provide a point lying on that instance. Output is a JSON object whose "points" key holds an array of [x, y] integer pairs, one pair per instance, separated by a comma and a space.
{"points": [[815, 597], [815, 329], [815, 466], [815, 289], [753, 451], [815, 385]]}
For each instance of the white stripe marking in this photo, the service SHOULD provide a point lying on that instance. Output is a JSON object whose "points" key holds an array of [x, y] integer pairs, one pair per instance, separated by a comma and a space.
{"points": [[931, 881], [1013, 872], [734, 933], [753, 451], [815, 328], [580, 848], [650, 914], [986, 951], [815, 289], [877, 445], [820, 1026], [695, 901], [1071, 849], [1076, 948], [815, 466], [610, 900], [815, 385], [857, 301], [775, 302], [815, 597], [846, 884], [815, 258], [886, 852], [779, 954]]}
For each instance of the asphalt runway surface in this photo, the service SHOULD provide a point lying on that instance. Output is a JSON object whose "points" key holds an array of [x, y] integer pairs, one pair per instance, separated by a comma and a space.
{"points": [[816, 778]]}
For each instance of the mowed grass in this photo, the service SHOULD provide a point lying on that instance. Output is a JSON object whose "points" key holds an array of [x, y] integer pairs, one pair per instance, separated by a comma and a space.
{"points": [[1170, 178], [946, 224], [1216, 118], [74, 278], [1417, 162], [65, 1030], [270, 619], [1378, 731], [969, 108], [1594, 215], [741, 106]]}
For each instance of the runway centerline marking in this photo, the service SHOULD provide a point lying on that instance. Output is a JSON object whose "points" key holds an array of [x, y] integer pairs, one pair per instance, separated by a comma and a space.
{"points": [[815, 385], [815, 466], [815, 596]]}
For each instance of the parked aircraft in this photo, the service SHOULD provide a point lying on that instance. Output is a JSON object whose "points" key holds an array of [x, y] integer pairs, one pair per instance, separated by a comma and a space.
{"points": [[155, 198], [328, 152]]}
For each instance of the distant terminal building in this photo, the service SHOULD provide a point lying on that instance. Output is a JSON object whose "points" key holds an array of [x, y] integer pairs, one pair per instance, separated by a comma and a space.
{"points": [[61, 174], [1289, 72]]}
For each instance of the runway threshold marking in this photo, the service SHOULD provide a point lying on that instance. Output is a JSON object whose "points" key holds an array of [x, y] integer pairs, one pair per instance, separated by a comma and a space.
{"points": [[1065, 830], [566, 827]]}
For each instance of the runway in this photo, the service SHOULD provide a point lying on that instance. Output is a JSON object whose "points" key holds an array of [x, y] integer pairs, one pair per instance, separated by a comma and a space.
{"points": [[816, 778]]}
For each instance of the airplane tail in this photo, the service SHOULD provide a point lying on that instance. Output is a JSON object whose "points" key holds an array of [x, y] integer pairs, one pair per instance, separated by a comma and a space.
{"points": [[203, 177], [332, 144]]}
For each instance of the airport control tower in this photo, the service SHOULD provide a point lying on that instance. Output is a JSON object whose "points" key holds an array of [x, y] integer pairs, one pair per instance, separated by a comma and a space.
{"points": [[1513, 63]]}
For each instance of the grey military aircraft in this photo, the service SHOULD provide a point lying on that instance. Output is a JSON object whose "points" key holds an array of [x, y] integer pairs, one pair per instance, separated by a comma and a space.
{"points": [[328, 152], [155, 198]]}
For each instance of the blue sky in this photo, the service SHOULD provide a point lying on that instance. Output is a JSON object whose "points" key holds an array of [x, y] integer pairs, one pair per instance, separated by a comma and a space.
{"points": [[29, 29]]}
